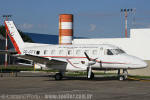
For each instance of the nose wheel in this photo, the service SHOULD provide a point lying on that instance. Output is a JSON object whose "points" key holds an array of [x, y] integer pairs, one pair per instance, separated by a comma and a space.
{"points": [[123, 76]]}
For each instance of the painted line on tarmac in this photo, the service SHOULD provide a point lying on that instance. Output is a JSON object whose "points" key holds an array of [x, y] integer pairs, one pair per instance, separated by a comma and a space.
{"points": [[138, 79]]}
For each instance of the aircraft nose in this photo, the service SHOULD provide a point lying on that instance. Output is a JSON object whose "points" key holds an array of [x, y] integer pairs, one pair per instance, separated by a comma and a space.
{"points": [[143, 64], [140, 64], [137, 62]]}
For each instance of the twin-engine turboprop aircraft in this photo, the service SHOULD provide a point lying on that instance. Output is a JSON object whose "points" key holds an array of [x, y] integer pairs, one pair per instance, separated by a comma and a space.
{"points": [[75, 57]]}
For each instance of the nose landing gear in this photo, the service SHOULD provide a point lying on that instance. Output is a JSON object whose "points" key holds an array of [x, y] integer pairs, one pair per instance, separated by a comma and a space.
{"points": [[123, 76]]}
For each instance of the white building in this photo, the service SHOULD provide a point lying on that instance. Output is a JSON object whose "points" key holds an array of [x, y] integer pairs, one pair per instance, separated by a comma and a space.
{"points": [[138, 44]]}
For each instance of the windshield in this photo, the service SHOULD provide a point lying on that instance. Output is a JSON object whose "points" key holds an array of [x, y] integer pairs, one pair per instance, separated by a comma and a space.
{"points": [[117, 51], [114, 51], [109, 52]]}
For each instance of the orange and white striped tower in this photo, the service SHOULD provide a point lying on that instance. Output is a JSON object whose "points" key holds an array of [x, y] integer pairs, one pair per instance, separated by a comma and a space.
{"points": [[65, 29]]}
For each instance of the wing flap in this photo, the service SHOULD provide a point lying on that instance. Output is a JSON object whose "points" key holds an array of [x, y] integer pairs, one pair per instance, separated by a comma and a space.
{"points": [[42, 60]]}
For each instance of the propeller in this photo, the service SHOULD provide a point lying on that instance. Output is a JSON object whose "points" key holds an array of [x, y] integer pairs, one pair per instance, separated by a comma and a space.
{"points": [[87, 56], [89, 70], [90, 63]]}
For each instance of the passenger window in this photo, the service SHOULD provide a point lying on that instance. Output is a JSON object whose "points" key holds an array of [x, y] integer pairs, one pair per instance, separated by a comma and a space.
{"points": [[87, 51], [95, 52], [61, 52], [45, 52], [53, 52], [78, 52], [37, 52], [101, 51], [70, 52], [109, 52]]}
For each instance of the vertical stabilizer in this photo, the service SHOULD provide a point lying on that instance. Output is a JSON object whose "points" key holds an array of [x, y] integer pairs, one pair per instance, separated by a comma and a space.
{"points": [[14, 35]]}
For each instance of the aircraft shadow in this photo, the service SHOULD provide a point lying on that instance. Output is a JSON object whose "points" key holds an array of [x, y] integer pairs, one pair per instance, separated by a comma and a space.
{"points": [[108, 78], [65, 78]]}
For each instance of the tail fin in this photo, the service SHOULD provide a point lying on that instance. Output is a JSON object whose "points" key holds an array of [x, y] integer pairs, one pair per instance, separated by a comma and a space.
{"points": [[14, 35]]}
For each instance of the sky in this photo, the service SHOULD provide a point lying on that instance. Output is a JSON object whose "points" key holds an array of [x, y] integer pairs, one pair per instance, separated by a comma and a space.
{"points": [[92, 18]]}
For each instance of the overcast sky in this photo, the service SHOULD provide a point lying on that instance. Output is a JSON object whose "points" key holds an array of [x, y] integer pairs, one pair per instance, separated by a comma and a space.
{"points": [[92, 18]]}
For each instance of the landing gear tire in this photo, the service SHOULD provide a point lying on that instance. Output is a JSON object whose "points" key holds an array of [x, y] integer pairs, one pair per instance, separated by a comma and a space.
{"points": [[121, 78], [124, 75], [58, 76]]}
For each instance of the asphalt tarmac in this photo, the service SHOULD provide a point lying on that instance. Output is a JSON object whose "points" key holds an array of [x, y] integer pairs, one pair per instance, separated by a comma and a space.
{"points": [[38, 86]]}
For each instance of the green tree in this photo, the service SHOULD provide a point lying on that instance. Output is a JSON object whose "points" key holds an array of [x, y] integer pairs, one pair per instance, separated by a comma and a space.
{"points": [[25, 37], [2, 30]]}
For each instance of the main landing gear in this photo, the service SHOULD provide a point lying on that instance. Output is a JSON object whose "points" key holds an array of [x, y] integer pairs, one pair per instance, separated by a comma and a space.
{"points": [[124, 75], [58, 76]]}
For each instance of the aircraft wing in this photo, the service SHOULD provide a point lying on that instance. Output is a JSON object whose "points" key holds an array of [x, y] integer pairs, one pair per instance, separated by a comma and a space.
{"points": [[8, 52], [36, 59], [42, 60]]}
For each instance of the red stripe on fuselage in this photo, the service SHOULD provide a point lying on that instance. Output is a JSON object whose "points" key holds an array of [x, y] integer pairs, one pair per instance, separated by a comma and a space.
{"points": [[12, 39], [63, 56], [84, 57], [72, 64]]}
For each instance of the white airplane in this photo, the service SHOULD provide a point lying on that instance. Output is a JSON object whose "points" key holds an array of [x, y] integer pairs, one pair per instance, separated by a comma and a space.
{"points": [[74, 57]]}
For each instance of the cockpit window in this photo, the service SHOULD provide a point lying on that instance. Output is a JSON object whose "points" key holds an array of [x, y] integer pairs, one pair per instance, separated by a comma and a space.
{"points": [[121, 51], [114, 51], [117, 51], [109, 52]]}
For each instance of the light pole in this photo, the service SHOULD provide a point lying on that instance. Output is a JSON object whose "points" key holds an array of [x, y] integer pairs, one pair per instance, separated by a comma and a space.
{"points": [[126, 15], [6, 41]]}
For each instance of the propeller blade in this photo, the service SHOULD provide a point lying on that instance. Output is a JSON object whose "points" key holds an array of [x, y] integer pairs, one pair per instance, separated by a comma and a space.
{"points": [[89, 71], [87, 56]]}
